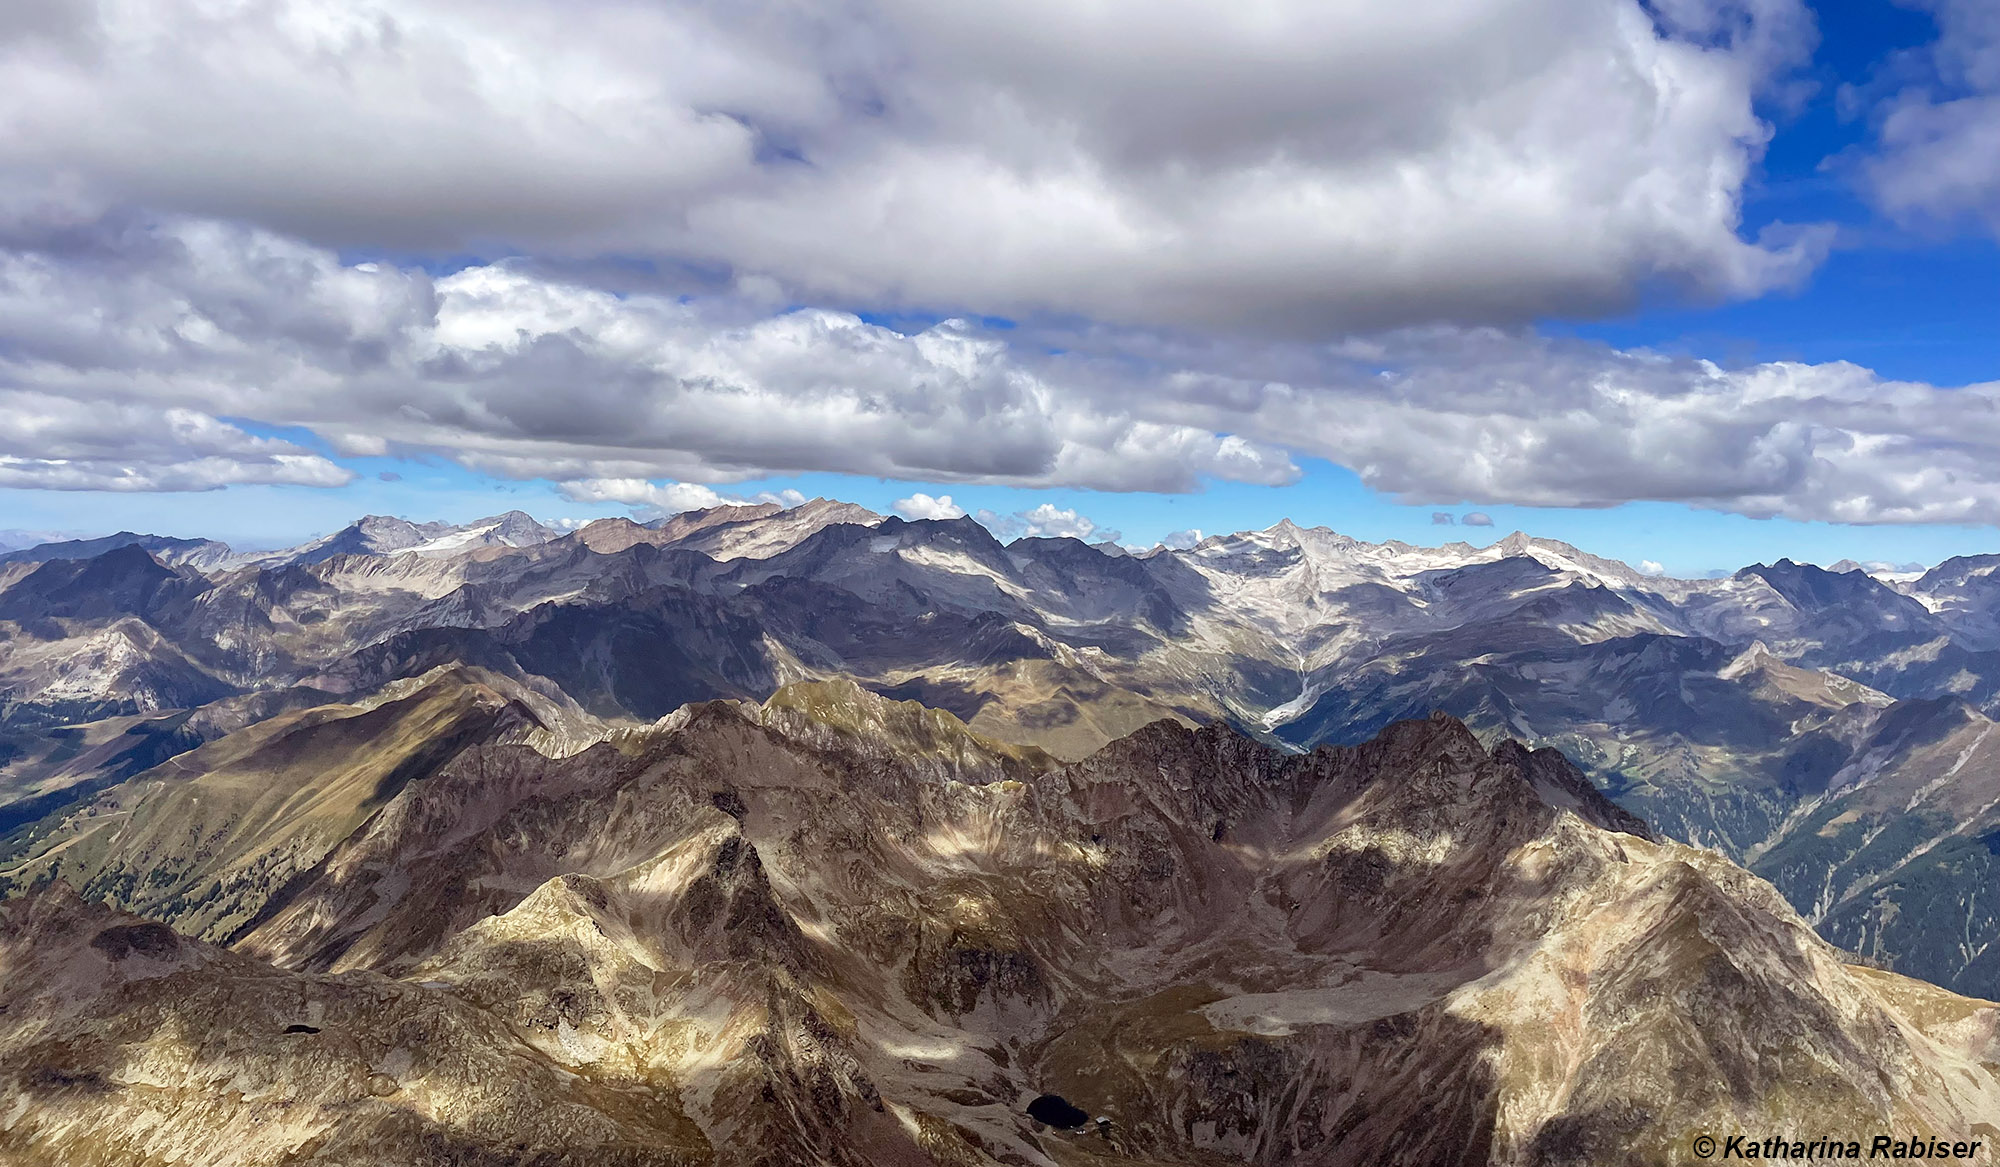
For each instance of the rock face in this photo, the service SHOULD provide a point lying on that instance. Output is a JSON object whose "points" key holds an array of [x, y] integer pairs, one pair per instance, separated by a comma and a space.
{"points": [[837, 929], [1807, 723]]}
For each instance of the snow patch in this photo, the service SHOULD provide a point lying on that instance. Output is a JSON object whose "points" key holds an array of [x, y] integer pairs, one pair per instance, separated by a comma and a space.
{"points": [[458, 540], [1295, 708]]}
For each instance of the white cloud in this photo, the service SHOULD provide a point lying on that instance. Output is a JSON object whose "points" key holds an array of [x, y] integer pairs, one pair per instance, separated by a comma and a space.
{"points": [[652, 500], [527, 376], [1476, 519], [1938, 140], [176, 176], [658, 498], [1649, 567], [1442, 519], [1045, 521], [1292, 165], [1182, 540], [1483, 415], [54, 442], [130, 349], [923, 506], [680, 395]]}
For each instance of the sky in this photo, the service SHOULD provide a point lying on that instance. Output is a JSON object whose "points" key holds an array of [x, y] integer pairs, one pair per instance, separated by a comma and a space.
{"points": [[1692, 283]]}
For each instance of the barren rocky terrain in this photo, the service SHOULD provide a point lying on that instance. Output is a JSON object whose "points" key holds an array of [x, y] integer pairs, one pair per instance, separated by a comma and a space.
{"points": [[834, 928]]}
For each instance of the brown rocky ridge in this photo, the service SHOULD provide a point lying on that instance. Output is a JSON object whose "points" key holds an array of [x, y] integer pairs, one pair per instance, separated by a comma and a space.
{"points": [[838, 929]]}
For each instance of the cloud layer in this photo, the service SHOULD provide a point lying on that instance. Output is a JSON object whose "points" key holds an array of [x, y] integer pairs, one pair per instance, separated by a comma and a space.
{"points": [[1294, 166], [134, 353], [136, 338], [61, 443], [1491, 416], [1233, 236]]}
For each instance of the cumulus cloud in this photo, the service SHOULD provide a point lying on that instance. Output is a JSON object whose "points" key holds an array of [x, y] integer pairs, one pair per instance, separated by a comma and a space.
{"points": [[54, 442], [1445, 415], [1291, 165], [1441, 519], [663, 498], [1046, 521], [1182, 540], [1938, 139], [134, 352], [1650, 567], [1475, 519], [653, 500], [923, 506], [519, 375], [177, 178]]}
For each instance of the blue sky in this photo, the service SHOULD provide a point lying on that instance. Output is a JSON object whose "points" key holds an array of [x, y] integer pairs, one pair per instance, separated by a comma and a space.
{"points": [[1910, 296], [1916, 304]]}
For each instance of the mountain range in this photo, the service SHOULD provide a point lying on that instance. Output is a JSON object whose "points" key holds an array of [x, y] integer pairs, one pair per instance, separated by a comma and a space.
{"points": [[834, 928], [821, 836]]}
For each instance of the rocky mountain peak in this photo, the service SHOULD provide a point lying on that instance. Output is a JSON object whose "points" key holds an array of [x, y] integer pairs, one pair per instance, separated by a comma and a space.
{"points": [[1560, 556], [1558, 782], [766, 534], [1807, 585], [609, 536], [200, 553], [963, 530], [680, 526], [515, 529], [825, 511], [123, 581], [909, 730], [1285, 532], [368, 535]]}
